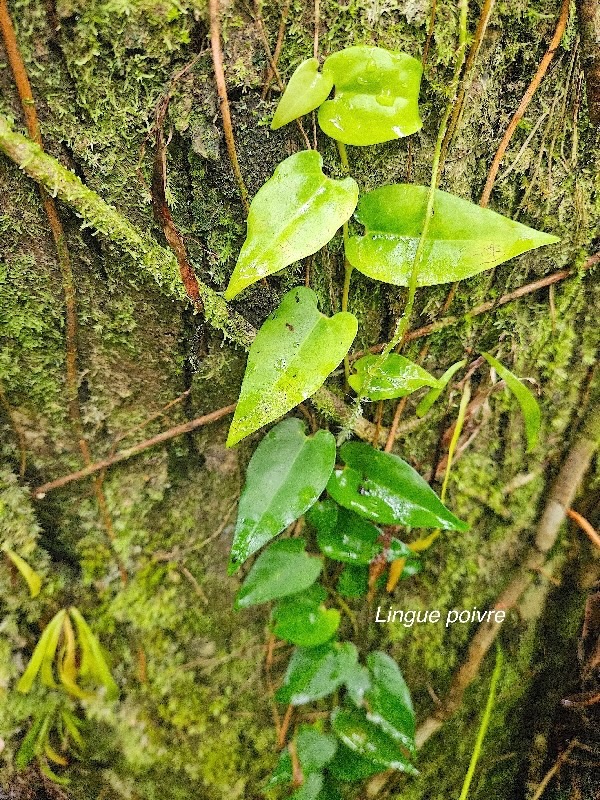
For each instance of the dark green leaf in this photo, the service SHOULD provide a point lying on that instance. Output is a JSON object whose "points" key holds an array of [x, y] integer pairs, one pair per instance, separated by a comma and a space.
{"points": [[463, 239], [353, 540], [293, 215], [349, 766], [384, 488], [368, 740], [529, 405], [294, 351], [33, 743], [388, 700], [396, 377], [433, 394], [376, 96], [316, 672], [284, 568], [314, 749], [285, 476], [283, 772], [302, 619], [353, 582], [306, 90]]}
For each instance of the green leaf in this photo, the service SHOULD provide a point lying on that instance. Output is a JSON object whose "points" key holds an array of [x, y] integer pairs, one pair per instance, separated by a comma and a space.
{"points": [[283, 772], [349, 766], [306, 90], [368, 740], [92, 659], [433, 394], [316, 672], [463, 239], [286, 475], [302, 619], [388, 700], [284, 568], [293, 215], [310, 789], [352, 541], [33, 743], [384, 488], [529, 405], [396, 377], [315, 749], [294, 351], [30, 576], [48, 639], [353, 581], [376, 96]]}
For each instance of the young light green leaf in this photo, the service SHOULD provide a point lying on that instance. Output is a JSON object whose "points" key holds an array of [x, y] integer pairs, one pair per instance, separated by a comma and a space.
{"points": [[463, 238], [48, 639], [529, 405], [285, 476], [396, 377], [306, 90], [316, 672], [315, 749], [92, 659], [302, 619], [388, 700], [384, 488], [293, 215], [348, 766], [433, 394], [294, 351], [376, 95], [30, 576], [368, 740], [47, 667], [310, 789], [282, 569]]}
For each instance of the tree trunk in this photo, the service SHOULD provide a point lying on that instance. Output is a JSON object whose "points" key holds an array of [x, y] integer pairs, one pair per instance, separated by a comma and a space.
{"points": [[194, 716]]}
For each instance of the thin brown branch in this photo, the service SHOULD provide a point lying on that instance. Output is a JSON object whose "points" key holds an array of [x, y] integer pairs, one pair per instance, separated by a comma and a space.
{"points": [[122, 455], [217, 57], [527, 97], [585, 526], [395, 423], [430, 31], [553, 770]]}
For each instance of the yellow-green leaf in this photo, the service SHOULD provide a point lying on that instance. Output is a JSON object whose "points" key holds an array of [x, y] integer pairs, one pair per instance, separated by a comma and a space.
{"points": [[30, 576], [306, 90], [529, 405], [92, 660], [48, 639]]}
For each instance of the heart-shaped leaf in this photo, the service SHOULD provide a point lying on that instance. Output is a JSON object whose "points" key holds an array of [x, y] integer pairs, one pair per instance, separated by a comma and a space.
{"points": [[306, 90], [293, 215], [285, 476], [294, 351], [347, 765], [529, 405], [397, 376], [388, 700], [316, 672], [376, 95], [384, 488], [302, 619], [463, 238], [433, 394], [282, 569], [368, 740]]}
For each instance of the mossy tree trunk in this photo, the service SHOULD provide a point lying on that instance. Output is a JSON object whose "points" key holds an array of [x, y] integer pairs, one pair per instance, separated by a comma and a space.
{"points": [[193, 719]]}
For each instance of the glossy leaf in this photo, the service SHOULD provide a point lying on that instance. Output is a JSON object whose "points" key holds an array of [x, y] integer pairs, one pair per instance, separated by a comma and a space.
{"points": [[463, 240], [284, 568], [285, 476], [388, 700], [433, 394], [352, 541], [396, 377], [293, 215], [353, 582], [315, 749], [348, 766], [376, 96], [45, 648], [306, 90], [387, 490], [302, 619], [529, 405], [294, 351], [368, 740], [316, 672], [29, 575], [93, 662]]}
